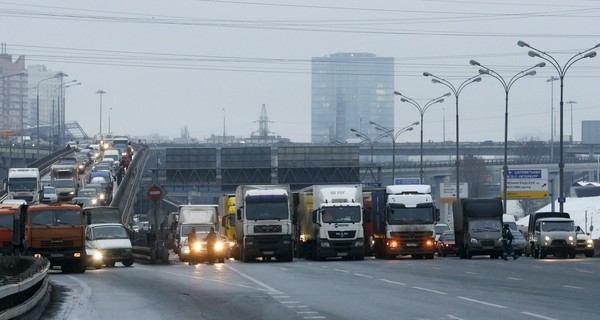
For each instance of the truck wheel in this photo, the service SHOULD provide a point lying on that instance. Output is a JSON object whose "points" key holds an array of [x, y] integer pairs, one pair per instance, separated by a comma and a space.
{"points": [[543, 254], [572, 254], [429, 256], [359, 257], [589, 254], [462, 253], [128, 262], [110, 263]]}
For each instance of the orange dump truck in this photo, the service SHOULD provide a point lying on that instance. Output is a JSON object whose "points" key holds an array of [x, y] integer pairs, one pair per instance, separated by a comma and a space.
{"points": [[6, 228], [57, 232]]}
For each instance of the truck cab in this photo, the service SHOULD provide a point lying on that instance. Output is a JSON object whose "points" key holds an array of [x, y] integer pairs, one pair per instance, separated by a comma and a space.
{"points": [[478, 227], [552, 233]]}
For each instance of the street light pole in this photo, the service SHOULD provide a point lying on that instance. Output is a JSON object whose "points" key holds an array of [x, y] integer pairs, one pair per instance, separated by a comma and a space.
{"points": [[101, 92], [421, 110], [109, 110], [61, 75], [571, 102], [506, 85], [551, 80], [561, 70], [390, 133], [456, 91], [64, 99], [38, 111]]}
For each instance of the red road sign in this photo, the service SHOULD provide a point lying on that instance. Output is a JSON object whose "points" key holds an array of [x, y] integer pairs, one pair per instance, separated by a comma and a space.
{"points": [[155, 192]]}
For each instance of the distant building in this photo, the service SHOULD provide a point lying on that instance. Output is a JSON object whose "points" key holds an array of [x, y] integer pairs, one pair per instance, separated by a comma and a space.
{"points": [[49, 87], [348, 91], [13, 93]]}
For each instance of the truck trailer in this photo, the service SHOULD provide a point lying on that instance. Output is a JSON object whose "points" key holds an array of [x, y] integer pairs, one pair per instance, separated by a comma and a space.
{"points": [[263, 224], [478, 227], [330, 221], [406, 225]]}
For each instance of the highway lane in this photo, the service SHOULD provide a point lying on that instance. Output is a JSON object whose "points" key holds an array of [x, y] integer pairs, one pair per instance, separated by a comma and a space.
{"points": [[443, 288]]}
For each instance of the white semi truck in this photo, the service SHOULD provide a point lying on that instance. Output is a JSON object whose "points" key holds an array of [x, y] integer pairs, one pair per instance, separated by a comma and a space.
{"points": [[263, 224], [330, 219], [407, 224], [24, 184]]}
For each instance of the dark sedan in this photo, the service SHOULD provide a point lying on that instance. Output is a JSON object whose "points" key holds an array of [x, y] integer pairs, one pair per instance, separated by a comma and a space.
{"points": [[446, 244]]}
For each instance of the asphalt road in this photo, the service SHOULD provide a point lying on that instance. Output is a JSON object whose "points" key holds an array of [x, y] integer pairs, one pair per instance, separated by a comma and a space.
{"points": [[443, 288]]}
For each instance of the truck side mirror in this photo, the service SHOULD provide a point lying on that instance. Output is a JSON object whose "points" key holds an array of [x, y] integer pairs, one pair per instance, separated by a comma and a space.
{"points": [[314, 216], [239, 214], [437, 214]]}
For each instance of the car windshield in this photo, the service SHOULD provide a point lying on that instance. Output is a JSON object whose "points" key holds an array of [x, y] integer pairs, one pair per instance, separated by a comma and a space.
{"points": [[439, 228], [63, 183], [109, 232], [87, 193], [49, 190]]}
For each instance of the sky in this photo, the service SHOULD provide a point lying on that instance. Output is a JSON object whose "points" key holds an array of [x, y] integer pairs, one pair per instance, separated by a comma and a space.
{"points": [[210, 65]]}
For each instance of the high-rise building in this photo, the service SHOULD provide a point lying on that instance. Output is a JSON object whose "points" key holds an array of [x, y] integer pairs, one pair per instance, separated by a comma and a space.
{"points": [[43, 84], [13, 94], [348, 91]]}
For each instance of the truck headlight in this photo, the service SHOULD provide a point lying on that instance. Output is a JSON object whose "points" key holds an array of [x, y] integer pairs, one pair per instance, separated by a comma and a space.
{"points": [[97, 256], [196, 246], [547, 238], [219, 246], [325, 244], [473, 240], [186, 250]]}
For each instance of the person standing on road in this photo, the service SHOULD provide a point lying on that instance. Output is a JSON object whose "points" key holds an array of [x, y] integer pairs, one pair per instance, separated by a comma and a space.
{"points": [[191, 239], [211, 240], [507, 239]]}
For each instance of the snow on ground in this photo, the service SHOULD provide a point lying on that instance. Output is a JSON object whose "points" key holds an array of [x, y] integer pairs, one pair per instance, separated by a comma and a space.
{"points": [[584, 211]]}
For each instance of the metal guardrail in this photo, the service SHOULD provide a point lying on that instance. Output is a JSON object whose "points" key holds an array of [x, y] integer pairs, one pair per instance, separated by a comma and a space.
{"points": [[126, 194], [24, 290]]}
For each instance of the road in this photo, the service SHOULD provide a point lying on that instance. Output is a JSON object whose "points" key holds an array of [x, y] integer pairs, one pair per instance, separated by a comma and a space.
{"points": [[443, 288]]}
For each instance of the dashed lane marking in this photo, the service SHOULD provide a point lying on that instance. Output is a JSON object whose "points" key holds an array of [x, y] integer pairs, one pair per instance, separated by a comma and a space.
{"points": [[429, 290], [393, 282], [572, 287], [484, 303], [538, 316], [362, 275]]}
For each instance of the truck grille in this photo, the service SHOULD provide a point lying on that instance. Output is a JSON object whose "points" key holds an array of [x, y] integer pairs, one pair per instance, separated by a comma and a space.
{"points": [[342, 246], [559, 242], [411, 235], [268, 243], [267, 228], [57, 243], [487, 243], [342, 234]]}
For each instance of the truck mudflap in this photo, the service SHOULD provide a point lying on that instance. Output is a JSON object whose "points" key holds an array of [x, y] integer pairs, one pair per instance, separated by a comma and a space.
{"points": [[278, 246], [351, 249]]}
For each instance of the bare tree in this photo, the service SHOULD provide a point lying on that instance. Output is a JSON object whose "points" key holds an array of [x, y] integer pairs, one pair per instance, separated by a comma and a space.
{"points": [[530, 206], [476, 174]]}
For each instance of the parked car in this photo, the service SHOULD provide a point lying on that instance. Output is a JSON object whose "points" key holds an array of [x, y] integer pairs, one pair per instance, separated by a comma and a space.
{"points": [[446, 244], [50, 195]]}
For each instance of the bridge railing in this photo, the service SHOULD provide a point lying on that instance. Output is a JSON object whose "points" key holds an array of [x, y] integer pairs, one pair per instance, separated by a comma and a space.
{"points": [[126, 193]]}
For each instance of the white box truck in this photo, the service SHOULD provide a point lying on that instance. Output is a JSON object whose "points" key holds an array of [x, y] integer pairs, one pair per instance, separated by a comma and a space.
{"points": [[24, 184], [263, 224], [330, 221]]}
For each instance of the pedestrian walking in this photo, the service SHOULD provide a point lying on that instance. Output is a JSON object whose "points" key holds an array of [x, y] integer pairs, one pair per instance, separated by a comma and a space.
{"points": [[507, 239]]}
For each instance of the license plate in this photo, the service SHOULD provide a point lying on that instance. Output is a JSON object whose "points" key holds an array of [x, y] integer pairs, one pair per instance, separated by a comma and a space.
{"points": [[268, 252], [56, 255], [410, 244], [342, 254]]}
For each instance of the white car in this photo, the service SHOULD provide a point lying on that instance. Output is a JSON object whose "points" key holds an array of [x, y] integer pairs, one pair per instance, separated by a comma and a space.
{"points": [[50, 195]]}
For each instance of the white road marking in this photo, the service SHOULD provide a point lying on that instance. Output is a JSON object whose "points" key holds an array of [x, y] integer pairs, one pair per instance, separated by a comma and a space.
{"points": [[340, 270], [264, 285], [484, 303], [393, 282], [315, 317], [583, 271], [307, 312], [429, 290], [572, 287], [515, 279], [362, 275], [297, 306], [538, 316], [454, 317], [469, 272], [289, 302]]}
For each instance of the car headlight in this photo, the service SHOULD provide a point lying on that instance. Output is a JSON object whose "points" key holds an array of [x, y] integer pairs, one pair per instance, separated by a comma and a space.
{"points": [[570, 238], [97, 256], [219, 246], [547, 238], [589, 241], [72, 192], [102, 197], [473, 240]]}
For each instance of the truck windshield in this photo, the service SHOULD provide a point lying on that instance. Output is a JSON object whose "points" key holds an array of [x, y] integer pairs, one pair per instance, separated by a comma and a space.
{"points": [[64, 183], [55, 217], [109, 232], [341, 215], [558, 226], [6, 221], [22, 184], [63, 175], [410, 215], [186, 229], [485, 225], [267, 210]]}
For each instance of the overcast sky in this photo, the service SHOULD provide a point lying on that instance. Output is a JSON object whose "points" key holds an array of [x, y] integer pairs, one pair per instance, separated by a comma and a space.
{"points": [[168, 64]]}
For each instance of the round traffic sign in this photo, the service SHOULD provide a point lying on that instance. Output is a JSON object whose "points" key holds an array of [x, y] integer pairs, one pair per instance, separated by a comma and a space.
{"points": [[155, 192]]}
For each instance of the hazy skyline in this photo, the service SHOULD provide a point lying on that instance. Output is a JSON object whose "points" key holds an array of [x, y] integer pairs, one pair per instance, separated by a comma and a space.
{"points": [[196, 63]]}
